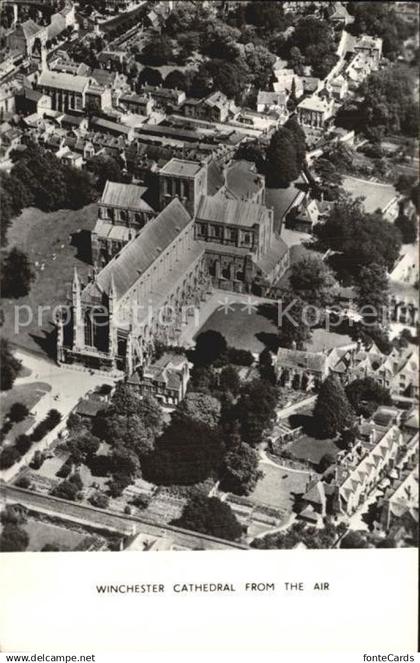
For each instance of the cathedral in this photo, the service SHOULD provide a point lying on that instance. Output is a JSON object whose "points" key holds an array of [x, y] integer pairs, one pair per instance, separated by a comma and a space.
{"points": [[154, 267]]}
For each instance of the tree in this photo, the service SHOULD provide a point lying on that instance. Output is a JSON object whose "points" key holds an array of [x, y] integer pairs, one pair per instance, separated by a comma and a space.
{"points": [[10, 366], [294, 321], [326, 461], [231, 78], [209, 347], [282, 159], [381, 20], [267, 15], [83, 446], [13, 539], [354, 540], [266, 367], [240, 472], [104, 168], [99, 499], [255, 410], [312, 281], [229, 380], [219, 40], [210, 516], [23, 443], [372, 294], [332, 412], [125, 462], [66, 490], [366, 394], [199, 407], [117, 484], [157, 52], [18, 412], [260, 63], [148, 76], [360, 238], [188, 452], [407, 225], [176, 79], [16, 274]]}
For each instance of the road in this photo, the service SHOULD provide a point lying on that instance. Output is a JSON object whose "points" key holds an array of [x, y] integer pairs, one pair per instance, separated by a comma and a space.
{"points": [[127, 525]]}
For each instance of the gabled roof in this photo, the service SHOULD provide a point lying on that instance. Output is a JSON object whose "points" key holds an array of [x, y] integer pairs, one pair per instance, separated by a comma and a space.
{"points": [[231, 212], [62, 81], [139, 254], [126, 196], [30, 28]]}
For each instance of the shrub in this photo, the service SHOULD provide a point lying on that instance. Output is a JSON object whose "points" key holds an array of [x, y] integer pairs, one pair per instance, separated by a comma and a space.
{"points": [[18, 412], [8, 457], [23, 443]]}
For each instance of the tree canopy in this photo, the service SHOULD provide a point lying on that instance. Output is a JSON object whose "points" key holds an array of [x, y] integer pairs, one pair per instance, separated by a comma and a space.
{"points": [[16, 274], [332, 412], [210, 516], [10, 366], [240, 472], [313, 281]]}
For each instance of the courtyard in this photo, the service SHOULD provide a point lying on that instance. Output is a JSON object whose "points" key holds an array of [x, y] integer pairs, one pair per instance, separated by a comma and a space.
{"points": [[245, 327]]}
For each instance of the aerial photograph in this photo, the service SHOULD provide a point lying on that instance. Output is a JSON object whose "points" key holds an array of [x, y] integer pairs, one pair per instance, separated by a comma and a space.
{"points": [[209, 324]]}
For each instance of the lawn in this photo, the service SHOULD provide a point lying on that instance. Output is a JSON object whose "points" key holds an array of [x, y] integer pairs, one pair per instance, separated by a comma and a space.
{"points": [[29, 394], [41, 533], [55, 242], [279, 486], [244, 329], [310, 449], [325, 340]]}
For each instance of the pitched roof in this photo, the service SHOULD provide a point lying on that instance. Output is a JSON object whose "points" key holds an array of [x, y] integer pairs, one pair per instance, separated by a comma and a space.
{"points": [[62, 81], [267, 262], [139, 254], [315, 361], [30, 28], [118, 194], [181, 167], [232, 212], [242, 180], [214, 178]]}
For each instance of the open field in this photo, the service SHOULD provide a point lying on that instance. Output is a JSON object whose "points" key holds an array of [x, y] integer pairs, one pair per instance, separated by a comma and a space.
{"points": [[55, 242]]}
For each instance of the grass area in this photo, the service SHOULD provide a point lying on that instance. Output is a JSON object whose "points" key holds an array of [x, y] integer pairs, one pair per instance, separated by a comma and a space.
{"points": [[324, 340], [41, 533], [55, 242], [279, 486], [244, 329], [310, 449], [28, 394]]}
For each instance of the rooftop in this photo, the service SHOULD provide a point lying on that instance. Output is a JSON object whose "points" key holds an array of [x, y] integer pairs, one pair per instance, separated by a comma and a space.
{"points": [[231, 212], [139, 254], [63, 81], [181, 168], [118, 194]]}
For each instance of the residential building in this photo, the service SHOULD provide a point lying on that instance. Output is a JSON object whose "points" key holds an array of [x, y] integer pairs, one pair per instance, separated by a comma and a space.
{"points": [[166, 379], [315, 111]]}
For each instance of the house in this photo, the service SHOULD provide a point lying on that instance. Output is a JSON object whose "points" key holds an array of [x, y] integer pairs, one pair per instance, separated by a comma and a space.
{"points": [[371, 48], [304, 216], [214, 108], [164, 96], [286, 79], [166, 379], [339, 87], [302, 369], [70, 158], [140, 104], [315, 111], [267, 101]]}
